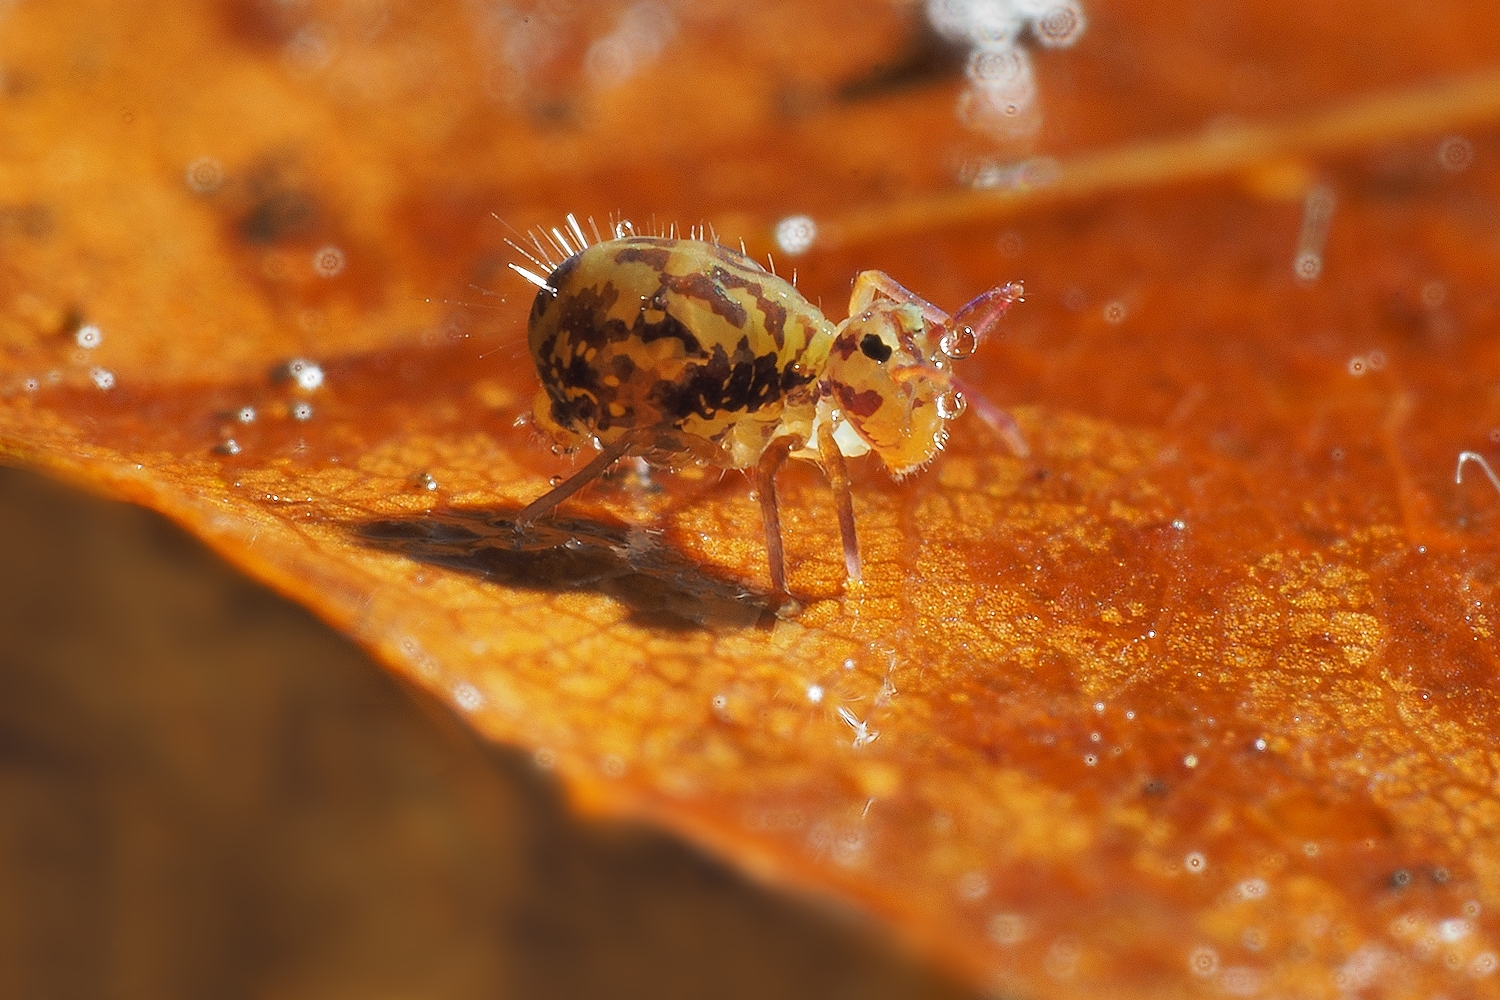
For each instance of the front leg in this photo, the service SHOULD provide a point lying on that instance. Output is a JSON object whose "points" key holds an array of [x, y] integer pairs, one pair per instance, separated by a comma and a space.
{"points": [[838, 479]]}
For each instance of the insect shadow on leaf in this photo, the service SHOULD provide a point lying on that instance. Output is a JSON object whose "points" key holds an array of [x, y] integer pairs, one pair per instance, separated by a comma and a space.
{"points": [[662, 588]]}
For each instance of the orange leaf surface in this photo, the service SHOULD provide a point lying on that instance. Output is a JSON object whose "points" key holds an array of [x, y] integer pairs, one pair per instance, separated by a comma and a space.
{"points": [[1197, 696]]}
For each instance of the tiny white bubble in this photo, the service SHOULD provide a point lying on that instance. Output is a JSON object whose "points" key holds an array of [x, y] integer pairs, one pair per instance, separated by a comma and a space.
{"points": [[467, 696], [307, 374], [103, 378], [1308, 265], [246, 415], [973, 886], [795, 234], [720, 702], [1455, 153], [1454, 929], [1357, 365], [32, 385], [1253, 888], [1090, 760], [1130, 714], [1060, 24], [815, 693], [328, 261], [204, 175], [1114, 312], [302, 411], [1195, 862], [1484, 964], [1203, 962], [1179, 524], [89, 337], [1191, 760], [849, 664], [1098, 706], [1260, 744]]}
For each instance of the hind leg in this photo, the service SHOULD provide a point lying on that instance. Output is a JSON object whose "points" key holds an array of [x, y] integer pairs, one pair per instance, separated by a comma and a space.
{"points": [[577, 480], [771, 461]]}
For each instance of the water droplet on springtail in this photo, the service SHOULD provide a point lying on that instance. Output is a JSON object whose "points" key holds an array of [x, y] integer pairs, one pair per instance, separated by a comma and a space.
{"points": [[959, 343], [951, 404]]}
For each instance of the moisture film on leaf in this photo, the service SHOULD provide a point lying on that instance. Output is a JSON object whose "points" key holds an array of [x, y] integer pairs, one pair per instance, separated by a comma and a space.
{"points": [[1193, 696]]}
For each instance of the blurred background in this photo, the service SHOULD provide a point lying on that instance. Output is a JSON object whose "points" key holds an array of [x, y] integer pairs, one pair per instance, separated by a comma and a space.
{"points": [[203, 791], [206, 792]]}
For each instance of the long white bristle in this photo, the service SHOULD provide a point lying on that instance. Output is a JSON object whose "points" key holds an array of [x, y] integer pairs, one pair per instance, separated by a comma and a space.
{"points": [[534, 279], [541, 250], [562, 242], [528, 255], [577, 231], [595, 228]]}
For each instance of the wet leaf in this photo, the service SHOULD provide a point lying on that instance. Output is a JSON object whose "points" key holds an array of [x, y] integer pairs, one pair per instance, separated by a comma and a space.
{"points": [[1197, 696]]}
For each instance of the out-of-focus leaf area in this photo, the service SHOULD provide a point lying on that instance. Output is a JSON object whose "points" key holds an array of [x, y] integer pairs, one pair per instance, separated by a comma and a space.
{"points": [[1196, 698]]}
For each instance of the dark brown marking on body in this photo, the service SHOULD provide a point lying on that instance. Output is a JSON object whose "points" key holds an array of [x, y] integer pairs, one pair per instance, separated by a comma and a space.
{"points": [[734, 258], [861, 404], [653, 257], [667, 326], [720, 385], [875, 349], [773, 313], [793, 379], [559, 277], [582, 314], [844, 346], [705, 289]]}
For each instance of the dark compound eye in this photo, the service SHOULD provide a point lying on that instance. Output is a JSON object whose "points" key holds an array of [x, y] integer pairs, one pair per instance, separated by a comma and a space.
{"points": [[875, 349]]}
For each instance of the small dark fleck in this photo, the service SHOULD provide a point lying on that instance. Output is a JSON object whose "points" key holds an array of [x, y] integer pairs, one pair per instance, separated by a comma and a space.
{"points": [[1155, 786], [1400, 879]]}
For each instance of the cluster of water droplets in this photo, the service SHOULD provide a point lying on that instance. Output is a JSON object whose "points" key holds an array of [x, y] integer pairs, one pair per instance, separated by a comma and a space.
{"points": [[1001, 98], [302, 375]]}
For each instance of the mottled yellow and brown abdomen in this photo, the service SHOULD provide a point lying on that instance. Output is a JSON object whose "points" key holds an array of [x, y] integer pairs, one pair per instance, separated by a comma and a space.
{"points": [[682, 337]]}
